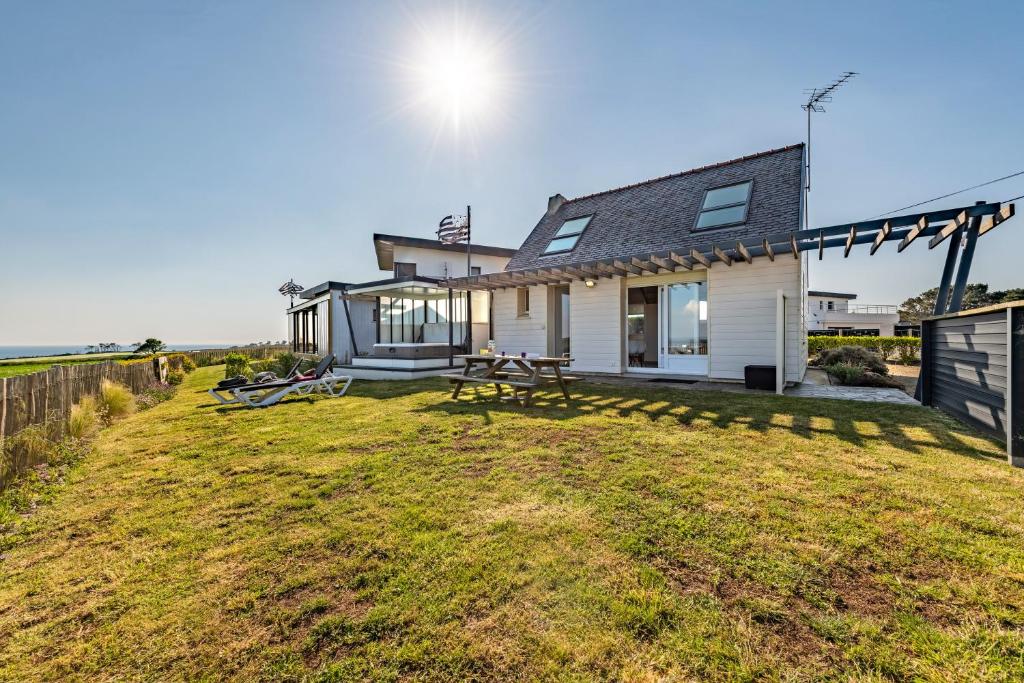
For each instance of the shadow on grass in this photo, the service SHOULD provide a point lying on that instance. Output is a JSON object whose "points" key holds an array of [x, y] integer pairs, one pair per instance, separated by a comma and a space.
{"points": [[855, 422]]}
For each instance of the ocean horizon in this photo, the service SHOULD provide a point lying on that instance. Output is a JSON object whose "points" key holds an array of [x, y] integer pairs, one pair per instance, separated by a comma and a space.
{"points": [[33, 351]]}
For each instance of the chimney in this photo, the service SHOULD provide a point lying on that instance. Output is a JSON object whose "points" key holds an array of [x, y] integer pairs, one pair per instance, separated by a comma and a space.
{"points": [[555, 203]]}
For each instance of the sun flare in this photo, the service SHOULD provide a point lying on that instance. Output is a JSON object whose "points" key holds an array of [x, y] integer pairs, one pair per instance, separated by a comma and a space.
{"points": [[457, 82], [457, 76]]}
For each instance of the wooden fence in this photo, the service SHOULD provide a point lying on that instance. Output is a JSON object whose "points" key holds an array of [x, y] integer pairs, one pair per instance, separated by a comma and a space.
{"points": [[215, 356], [46, 397]]}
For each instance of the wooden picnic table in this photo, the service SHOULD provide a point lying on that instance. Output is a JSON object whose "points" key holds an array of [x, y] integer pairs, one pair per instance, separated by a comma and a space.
{"points": [[528, 376]]}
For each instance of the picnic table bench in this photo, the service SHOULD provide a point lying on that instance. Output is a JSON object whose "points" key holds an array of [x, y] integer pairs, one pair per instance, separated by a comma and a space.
{"points": [[528, 375]]}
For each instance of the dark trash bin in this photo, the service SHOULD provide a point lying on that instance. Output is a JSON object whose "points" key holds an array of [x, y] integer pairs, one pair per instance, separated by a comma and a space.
{"points": [[759, 377]]}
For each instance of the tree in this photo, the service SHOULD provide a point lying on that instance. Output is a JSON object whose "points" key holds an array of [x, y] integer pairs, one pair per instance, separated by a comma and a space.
{"points": [[151, 345], [1005, 296], [975, 296]]}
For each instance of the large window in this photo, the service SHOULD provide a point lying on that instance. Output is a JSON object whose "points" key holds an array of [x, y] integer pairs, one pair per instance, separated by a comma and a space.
{"points": [[566, 237], [724, 206]]}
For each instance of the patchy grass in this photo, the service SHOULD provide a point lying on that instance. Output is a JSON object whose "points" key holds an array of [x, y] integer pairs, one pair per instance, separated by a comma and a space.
{"points": [[638, 534], [11, 368]]}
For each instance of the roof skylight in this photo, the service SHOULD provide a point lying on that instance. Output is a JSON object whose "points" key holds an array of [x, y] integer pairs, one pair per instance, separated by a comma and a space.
{"points": [[567, 235], [725, 206]]}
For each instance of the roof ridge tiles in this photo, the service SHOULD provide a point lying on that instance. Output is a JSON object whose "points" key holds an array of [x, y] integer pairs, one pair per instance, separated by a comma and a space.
{"points": [[698, 169]]}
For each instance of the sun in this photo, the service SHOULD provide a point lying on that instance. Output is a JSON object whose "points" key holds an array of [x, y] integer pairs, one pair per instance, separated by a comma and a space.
{"points": [[456, 73], [458, 81]]}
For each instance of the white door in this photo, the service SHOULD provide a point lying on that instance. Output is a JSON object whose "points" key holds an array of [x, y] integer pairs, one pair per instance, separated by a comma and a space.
{"points": [[683, 315]]}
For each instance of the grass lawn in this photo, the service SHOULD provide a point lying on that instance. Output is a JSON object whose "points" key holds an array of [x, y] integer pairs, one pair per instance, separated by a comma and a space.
{"points": [[637, 535], [9, 367]]}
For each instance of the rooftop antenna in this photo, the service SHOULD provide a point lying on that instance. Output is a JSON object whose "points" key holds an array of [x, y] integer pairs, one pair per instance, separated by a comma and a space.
{"points": [[816, 98]]}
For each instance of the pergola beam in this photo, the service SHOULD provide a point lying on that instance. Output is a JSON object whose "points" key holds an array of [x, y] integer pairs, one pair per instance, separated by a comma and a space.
{"points": [[938, 225], [679, 260], [947, 230], [1006, 213], [742, 251], [915, 232], [611, 270], [626, 267], [700, 258], [662, 263], [905, 221], [644, 265]]}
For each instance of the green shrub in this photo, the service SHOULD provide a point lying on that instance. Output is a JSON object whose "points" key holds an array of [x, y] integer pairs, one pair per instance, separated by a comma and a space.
{"points": [[85, 418], [153, 394], [873, 379], [887, 347], [846, 373], [284, 363], [237, 364], [175, 376], [115, 400], [258, 366], [852, 355], [28, 447], [187, 364], [908, 353]]}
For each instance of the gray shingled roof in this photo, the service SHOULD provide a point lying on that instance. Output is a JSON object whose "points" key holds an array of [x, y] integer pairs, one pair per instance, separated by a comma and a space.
{"points": [[659, 214]]}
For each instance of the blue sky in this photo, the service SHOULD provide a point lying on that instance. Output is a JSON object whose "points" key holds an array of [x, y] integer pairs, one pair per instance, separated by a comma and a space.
{"points": [[165, 166]]}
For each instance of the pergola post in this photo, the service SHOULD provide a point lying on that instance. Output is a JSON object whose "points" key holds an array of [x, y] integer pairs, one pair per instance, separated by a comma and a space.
{"points": [[947, 273], [451, 331], [963, 271]]}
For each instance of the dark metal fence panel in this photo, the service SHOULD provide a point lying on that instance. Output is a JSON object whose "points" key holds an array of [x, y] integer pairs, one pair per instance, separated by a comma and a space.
{"points": [[1015, 448], [972, 366], [967, 371]]}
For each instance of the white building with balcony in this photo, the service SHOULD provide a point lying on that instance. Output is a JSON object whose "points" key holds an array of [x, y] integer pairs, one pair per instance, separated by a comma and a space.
{"points": [[835, 311]]}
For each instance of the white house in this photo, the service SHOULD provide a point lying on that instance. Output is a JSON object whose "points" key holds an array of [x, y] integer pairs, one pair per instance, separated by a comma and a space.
{"points": [[693, 275], [404, 325], [834, 311]]}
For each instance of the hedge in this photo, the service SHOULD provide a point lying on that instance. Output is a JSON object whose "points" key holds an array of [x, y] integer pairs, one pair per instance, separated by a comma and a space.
{"points": [[904, 348]]}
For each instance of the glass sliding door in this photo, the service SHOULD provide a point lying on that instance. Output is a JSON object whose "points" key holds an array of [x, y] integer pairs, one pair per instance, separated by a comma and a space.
{"points": [[667, 328], [685, 348]]}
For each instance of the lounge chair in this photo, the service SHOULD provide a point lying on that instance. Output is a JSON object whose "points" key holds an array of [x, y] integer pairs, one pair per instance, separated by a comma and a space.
{"points": [[222, 392], [261, 395]]}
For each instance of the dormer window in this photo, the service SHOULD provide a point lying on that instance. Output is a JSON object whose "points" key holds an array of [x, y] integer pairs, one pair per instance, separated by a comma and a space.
{"points": [[724, 206], [567, 236]]}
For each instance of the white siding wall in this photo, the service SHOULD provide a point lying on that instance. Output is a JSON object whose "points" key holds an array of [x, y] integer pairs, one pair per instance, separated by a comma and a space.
{"points": [[741, 316], [514, 335], [596, 324], [741, 312], [436, 263]]}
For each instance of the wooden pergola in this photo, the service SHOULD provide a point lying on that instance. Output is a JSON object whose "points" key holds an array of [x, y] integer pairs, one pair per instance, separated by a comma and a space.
{"points": [[962, 226]]}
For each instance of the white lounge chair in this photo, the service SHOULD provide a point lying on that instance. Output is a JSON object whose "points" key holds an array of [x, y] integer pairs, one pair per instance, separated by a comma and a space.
{"points": [[260, 395]]}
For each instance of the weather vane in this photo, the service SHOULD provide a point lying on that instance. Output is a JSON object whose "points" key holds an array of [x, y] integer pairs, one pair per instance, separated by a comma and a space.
{"points": [[291, 290]]}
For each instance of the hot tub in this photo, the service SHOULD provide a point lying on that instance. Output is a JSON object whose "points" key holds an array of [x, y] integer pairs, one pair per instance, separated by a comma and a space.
{"points": [[409, 350]]}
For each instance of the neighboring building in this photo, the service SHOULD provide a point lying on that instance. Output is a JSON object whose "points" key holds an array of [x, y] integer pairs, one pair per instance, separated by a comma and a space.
{"points": [[622, 280], [833, 311], [398, 327]]}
